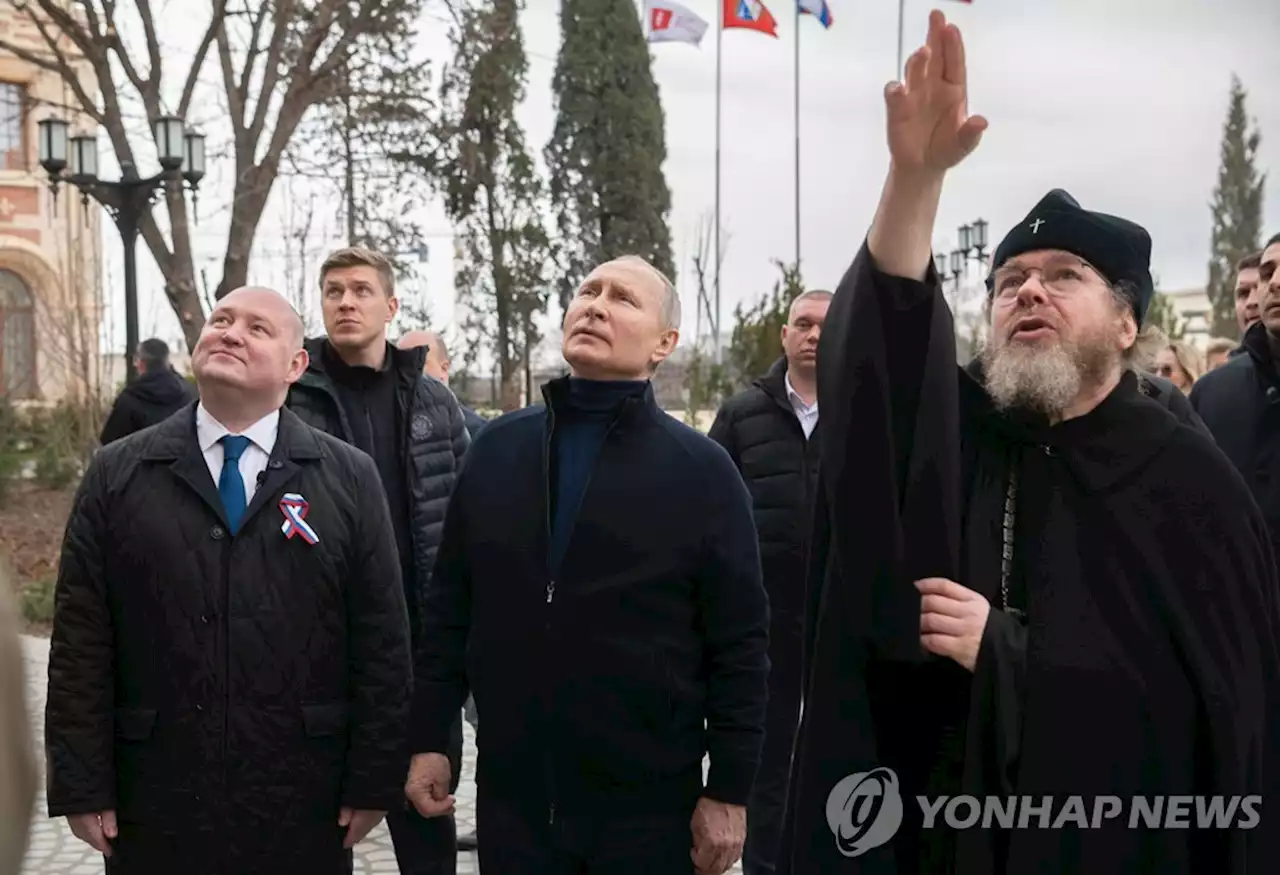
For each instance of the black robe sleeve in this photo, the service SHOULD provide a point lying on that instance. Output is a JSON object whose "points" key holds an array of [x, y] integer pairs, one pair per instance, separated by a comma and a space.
{"points": [[887, 513], [887, 389], [995, 715]]}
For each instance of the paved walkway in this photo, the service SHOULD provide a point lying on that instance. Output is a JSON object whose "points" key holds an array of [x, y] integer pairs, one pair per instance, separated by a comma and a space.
{"points": [[55, 851]]}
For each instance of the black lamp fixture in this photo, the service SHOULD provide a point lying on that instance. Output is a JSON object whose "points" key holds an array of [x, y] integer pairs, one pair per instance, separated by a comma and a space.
{"points": [[973, 240], [74, 160]]}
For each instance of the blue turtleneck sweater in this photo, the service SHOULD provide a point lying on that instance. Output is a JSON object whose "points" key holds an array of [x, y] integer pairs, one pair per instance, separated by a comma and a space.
{"points": [[581, 426]]}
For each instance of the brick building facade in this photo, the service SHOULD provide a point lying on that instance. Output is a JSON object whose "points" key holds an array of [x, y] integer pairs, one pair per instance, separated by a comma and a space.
{"points": [[50, 246]]}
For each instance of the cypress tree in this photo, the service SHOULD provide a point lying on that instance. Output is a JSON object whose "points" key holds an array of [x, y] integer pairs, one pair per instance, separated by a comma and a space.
{"points": [[605, 156], [1237, 211]]}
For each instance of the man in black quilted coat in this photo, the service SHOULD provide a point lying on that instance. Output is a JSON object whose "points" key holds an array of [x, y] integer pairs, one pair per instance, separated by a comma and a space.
{"points": [[230, 668], [370, 393], [771, 432]]}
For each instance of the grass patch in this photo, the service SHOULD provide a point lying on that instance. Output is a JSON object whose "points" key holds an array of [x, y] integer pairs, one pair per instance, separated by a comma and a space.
{"points": [[36, 600]]}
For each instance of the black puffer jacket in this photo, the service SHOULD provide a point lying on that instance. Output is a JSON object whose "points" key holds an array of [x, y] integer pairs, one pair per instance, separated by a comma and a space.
{"points": [[225, 695], [1240, 403], [150, 399], [434, 443], [760, 430]]}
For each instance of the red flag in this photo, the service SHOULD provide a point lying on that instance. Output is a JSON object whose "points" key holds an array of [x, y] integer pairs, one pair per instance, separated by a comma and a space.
{"points": [[751, 15]]}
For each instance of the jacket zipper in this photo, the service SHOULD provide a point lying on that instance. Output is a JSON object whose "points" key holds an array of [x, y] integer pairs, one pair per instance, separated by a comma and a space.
{"points": [[551, 584], [549, 762]]}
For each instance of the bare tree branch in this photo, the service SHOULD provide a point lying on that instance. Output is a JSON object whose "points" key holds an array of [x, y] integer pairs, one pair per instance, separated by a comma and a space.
{"points": [[295, 54], [68, 26], [56, 62], [253, 50], [112, 39], [270, 69], [235, 105], [153, 49], [110, 117], [197, 64]]}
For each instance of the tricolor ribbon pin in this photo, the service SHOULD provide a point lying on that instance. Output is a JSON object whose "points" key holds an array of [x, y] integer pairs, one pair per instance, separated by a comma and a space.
{"points": [[294, 507]]}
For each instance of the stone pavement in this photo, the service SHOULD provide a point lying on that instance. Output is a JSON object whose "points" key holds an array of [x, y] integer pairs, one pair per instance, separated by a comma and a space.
{"points": [[54, 850]]}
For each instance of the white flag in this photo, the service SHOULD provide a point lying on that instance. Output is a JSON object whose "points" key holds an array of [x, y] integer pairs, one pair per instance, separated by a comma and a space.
{"points": [[672, 23]]}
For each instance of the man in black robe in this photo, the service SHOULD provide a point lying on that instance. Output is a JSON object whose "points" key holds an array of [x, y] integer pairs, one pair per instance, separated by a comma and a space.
{"points": [[1034, 580]]}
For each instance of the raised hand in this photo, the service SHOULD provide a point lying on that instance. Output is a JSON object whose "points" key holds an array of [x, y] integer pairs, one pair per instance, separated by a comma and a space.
{"points": [[930, 129]]}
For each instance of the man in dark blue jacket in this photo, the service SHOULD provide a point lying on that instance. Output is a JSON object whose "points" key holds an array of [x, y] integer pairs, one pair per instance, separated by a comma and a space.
{"points": [[598, 588]]}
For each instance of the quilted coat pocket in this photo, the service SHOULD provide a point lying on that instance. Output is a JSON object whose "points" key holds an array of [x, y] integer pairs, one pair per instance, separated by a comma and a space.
{"points": [[327, 719]]}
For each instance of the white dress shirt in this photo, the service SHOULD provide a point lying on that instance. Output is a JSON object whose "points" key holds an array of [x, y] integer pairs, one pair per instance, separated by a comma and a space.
{"points": [[262, 440], [806, 413]]}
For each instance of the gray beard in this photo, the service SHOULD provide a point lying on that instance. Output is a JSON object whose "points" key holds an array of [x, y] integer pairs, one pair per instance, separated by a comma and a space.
{"points": [[1041, 379]]}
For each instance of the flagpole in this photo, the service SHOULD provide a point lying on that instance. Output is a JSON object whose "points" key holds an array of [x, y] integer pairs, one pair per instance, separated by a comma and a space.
{"points": [[797, 134], [898, 70], [715, 325]]}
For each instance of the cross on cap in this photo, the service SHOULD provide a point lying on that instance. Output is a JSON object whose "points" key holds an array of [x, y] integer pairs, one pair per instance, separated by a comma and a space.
{"points": [[1035, 226]]}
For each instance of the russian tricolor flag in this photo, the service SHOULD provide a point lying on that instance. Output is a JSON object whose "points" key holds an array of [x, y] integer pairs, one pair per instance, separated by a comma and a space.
{"points": [[818, 9]]}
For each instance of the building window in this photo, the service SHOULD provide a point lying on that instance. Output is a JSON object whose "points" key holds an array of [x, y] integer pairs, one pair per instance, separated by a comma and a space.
{"points": [[13, 155], [17, 338]]}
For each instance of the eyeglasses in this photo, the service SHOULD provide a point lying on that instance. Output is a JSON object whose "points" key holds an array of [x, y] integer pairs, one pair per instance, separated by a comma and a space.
{"points": [[1061, 276]]}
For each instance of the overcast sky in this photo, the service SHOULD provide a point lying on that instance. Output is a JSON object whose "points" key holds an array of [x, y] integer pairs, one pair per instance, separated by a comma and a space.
{"points": [[1121, 102]]}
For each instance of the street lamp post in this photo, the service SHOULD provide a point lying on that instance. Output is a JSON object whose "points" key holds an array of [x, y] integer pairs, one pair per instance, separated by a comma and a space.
{"points": [[973, 247], [973, 241], [75, 160]]}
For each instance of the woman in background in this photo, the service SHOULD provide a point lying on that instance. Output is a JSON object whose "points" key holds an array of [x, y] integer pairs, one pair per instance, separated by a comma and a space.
{"points": [[18, 770], [1180, 363]]}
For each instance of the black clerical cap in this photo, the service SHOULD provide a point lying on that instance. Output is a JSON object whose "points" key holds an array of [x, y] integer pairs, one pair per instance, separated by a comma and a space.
{"points": [[1118, 248]]}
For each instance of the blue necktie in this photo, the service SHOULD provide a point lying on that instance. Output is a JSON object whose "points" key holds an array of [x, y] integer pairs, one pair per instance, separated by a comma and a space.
{"points": [[231, 484]]}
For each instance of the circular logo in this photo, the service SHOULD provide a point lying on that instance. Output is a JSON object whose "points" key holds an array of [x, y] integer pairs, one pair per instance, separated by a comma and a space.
{"points": [[420, 426], [864, 811]]}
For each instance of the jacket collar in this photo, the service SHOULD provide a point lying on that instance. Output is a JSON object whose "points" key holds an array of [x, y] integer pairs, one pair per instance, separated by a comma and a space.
{"points": [[774, 382], [1116, 438], [1256, 345], [176, 437], [555, 394], [174, 441], [403, 361]]}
